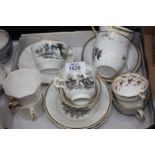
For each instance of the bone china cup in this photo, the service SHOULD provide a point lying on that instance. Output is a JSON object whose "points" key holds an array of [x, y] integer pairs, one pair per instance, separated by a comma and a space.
{"points": [[130, 91], [78, 87], [23, 88], [110, 53], [130, 87], [50, 55]]}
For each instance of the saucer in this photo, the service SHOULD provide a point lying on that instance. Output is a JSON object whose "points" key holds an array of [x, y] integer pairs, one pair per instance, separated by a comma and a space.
{"points": [[26, 60], [133, 60], [63, 117]]}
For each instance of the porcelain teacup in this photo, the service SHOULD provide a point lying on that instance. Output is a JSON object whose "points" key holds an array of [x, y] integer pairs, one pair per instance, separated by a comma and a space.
{"points": [[90, 103], [110, 53], [130, 91], [78, 86], [50, 55], [23, 88]]}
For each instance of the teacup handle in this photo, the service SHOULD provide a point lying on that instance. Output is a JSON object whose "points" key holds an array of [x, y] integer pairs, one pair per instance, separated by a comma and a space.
{"points": [[33, 113], [57, 82], [140, 115], [13, 103]]}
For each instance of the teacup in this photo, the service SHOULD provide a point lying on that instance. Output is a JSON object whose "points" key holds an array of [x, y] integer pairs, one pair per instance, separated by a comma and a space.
{"points": [[130, 92], [78, 86], [130, 87], [50, 55], [110, 53], [23, 88], [90, 103]]}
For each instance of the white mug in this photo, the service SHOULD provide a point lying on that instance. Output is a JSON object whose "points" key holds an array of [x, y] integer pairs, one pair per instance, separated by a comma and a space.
{"points": [[23, 88], [110, 53], [50, 55], [78, 87]]}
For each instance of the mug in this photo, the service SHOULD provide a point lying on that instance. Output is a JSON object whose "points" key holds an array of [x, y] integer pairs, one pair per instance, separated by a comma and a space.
{"points": [[23, 88], [50, 55], [78, 86], [110, 53], [5, 46]]}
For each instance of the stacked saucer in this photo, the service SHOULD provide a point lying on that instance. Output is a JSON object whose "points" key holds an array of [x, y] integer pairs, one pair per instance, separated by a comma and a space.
{"points": [[65, 114]]}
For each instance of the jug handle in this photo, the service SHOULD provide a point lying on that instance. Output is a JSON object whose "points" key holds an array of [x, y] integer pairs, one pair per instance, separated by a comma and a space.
{"points": [[94, 30]]}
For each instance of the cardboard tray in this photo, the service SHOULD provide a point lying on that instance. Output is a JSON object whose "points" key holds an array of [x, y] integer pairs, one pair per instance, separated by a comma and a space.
{"points": [[77, 41]]}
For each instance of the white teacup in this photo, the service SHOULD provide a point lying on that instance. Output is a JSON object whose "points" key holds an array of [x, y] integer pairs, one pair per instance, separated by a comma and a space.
{"points": [[79, 86], [110, 53], [130, 92], [23, 88], [50, 55], [130, 87]]}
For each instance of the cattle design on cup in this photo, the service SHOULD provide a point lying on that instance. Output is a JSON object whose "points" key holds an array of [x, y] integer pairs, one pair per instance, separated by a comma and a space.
{"points": [[50, 51], [80, 81], [79, 85], [51, 55]]}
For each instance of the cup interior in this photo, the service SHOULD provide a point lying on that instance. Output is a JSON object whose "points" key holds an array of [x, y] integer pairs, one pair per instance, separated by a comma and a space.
{"points": [[21, 83], [129, 85]]}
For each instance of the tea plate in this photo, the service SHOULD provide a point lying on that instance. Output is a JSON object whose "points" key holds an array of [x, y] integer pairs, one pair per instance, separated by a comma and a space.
{"points": [[133, 60], [63, 117], [26, 61]]}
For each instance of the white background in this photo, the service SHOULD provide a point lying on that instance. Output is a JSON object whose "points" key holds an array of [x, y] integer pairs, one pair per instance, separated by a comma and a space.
{"points": [[77, 13]]}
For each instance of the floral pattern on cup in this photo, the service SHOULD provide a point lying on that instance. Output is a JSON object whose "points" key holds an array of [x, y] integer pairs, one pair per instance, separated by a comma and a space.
{"points": [[50, 51], [97, 53], [80, 81]]}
